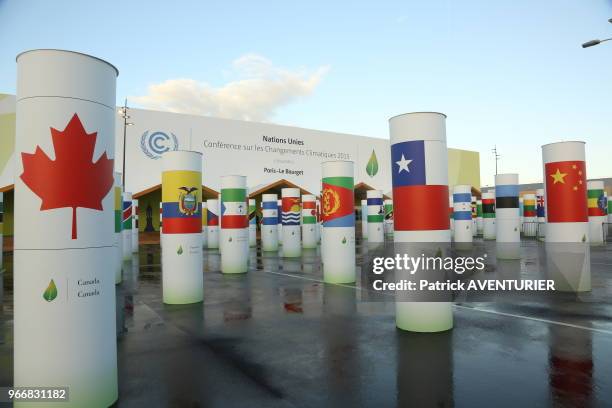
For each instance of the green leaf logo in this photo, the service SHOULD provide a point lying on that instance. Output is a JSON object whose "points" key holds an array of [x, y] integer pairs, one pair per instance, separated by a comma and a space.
{"points": [[229, 239], [372, 166], [179, 250], [344, 240], [584, 238], [51, 292]]}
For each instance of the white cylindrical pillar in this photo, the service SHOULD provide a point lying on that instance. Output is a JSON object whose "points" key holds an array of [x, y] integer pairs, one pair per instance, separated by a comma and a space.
{"points": [[451, 217], [269, 224], [319, 220], [375, 217], [521, 215], [135, 226], [474, 216], [364, 219], [388, 218], [64, 291], [161, 224], [212, 223], [126, 226], [279, 227], [292, 247], [118, 236], [462, 212], [530, 226], [507, 222], [204, 224], [234, 240], [338, 221], [488, 214], [309, 221], [252, 222], [479, 217], [597, 207], [541, 213]]}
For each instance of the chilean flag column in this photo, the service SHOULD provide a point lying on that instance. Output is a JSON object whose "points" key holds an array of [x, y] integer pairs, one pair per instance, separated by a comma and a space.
{"points": [[338, 208], [419, 167], [269, 223], [234, 240], [212, 223], [567, 228], [598, 210], [541, 213], [507, 223]]}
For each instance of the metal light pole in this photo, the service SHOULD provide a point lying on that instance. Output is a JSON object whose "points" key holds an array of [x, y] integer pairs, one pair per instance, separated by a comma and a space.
{"points": [[497, 157], [123, 112], [593, 43]]}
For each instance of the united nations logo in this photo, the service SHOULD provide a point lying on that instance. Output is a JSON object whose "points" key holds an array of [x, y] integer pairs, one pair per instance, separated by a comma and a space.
{"points": [[156, 143], [188, 200]]}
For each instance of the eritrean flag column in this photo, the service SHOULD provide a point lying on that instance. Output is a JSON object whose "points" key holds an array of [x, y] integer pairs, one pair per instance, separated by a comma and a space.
{"points": [[252, 222], [567, 228], [118, 237], [376, 217], [64, 284], [488, 214], [126, 226], [337, 203], [529, 215], [541, 213], [598, 207], [462, 212], [269, 224], [419, 169], [292, 247], [234, 240], [182, 279], [507, 222], [135, 226], [204, 224], [309, 221], [212, 223]]}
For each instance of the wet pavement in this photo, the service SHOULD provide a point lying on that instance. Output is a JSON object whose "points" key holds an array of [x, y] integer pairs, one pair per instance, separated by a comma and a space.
{"points": [[278, 337]]}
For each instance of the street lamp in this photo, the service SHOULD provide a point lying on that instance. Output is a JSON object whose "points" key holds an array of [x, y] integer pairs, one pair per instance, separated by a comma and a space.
{"points": [[593, 43], [123, 112]]}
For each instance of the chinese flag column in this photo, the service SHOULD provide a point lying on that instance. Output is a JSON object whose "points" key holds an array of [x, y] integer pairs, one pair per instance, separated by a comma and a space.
{"points": [[212, 223], [126, 226], [291, 211], [252, 222], [598, 207], [541, 213], [376, 217], [309, 221], [337, 205], [567, 229], [135, 226], [234, 239], [462, 212], [269, 225], [64, 259], [420, 203], [118, 237], [507, 221], [204, 224], [182, 280], [488, 213]]}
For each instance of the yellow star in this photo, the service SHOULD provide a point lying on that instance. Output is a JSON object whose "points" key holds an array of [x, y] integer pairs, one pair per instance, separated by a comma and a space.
{"points": [[558, 177], [574, 166], [575, 188]]}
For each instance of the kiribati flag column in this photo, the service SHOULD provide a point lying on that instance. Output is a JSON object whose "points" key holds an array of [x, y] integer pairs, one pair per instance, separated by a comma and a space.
{"points": [[598, 207], [479, 217], [376, 217], [64, 284], [309, 221], [291, 208], [182, 262], [234, 240], [212, 223], [204, 224], [567, 227], [134, 226], [541, 213], [364, 219], [338, 222], [279, 204], [507, 222], [420, 197], [462, 212], [126, 226], [252, 222], [118, 237], [389, 218], [488, 214], [269, 224]]}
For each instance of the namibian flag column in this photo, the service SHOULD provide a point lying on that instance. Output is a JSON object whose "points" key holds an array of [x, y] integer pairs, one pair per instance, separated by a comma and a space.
{"points": [[337, 205], [450, 214], [462, 213], [182, 262], [279, 204], [376, 217], [204, 224], [488, 215], [364, 219], [567, 228], [234, 239], [269, 223], [541, 213], [389, 218], [291, 213], [474, 216], [507, 223], [252, 222], [419, 171], [598, 207], [64, 290], [212, 223], [126, 226], [309, 221], [479, 217], [118, 237], [134, 226], [529, 215]]}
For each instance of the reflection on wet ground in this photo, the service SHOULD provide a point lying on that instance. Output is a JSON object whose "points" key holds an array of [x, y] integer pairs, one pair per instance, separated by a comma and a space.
{"points": [[279, 337]]}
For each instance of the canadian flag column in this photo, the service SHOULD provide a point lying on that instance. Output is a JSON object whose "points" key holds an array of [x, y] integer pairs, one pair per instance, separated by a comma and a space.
{"points": [[64, 285]]}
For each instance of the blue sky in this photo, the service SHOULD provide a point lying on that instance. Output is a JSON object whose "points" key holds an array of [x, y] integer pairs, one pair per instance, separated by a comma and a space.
{"points": [[510, 73]]}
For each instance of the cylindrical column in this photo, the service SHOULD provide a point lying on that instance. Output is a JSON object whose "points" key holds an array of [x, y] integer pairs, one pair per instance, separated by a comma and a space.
{"points": [[64, 291], [609, 209], [376, 215], [269, 224], [234, 240], [292, 209], [182, 262], [126, 226], [212, 223], [419, 169], [309, 221], [567, 228], [319, 220], [279, 204], [450, 214], [338, 221], [597, 207], [521, 214], [529, 215], [462, 212], [252, 222], [1, 228], [364, 219], [161, 222], [507, 224], [118, 236], [479, 217], [488, 215], [135, 226], [388, 218], [204, 224], [474, 216], [541, 213]]}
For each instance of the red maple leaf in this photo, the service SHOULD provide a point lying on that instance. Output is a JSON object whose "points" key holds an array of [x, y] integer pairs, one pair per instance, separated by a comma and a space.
{"points": [[71, 180]]}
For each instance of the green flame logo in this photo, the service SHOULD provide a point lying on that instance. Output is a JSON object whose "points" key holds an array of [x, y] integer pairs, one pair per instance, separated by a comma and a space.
{"points": [[372, 166], [51, 292], [344, 240], [179, 250]]}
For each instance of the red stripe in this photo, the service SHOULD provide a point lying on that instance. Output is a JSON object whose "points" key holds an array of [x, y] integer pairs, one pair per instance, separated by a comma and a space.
{"points": [[529, 213], [309, 205], [596, 212], [185, 225], [488, 201], [233, 221], [420, 208]]}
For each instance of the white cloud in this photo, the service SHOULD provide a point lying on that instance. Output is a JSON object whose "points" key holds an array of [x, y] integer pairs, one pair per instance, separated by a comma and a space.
{"points": [[258, 90]]}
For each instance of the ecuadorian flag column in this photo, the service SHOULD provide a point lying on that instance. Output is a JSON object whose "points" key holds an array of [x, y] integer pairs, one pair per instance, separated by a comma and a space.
{"points": [[118, 242], [292, 247], [375, 217], [488, 213], [269, 224], [507, 222], [309, 221], [212, 223], [126, 226], [337, 202], [64, 285], [462, 213], [234, 240], [182, 279], [598, 206], [252, 222], [419, 168], [567, 228]]}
